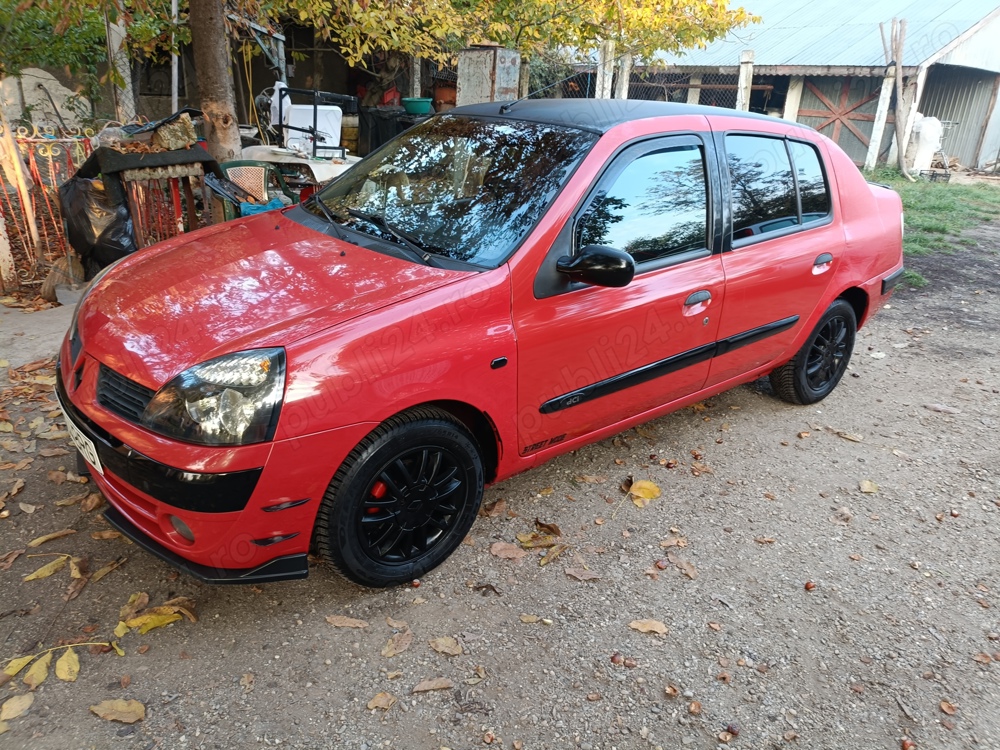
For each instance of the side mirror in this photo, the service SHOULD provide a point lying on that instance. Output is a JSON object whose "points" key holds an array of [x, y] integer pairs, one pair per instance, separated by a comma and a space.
{"points": [[598, 265]]}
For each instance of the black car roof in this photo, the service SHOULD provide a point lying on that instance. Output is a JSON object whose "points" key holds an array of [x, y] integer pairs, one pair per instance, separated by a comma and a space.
{"points": [[597, 115]]}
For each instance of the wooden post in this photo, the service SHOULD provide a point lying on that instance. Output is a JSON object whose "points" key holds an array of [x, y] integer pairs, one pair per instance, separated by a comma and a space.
{"points": [[746, 80], [694, 92], [881, 114], [605, 70], [8, 272], [793, 100], [624, 76], [416, 89]]}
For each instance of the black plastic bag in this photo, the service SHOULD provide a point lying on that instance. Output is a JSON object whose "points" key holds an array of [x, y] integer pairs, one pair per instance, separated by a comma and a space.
{"points": [[99, 231]]}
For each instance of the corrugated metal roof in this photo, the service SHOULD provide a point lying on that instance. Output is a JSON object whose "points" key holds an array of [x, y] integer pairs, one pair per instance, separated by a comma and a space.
{"points": [[839, 33]]}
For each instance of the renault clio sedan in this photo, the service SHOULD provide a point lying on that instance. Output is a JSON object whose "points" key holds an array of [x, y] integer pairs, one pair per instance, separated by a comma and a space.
{"points": [[494, 287]]}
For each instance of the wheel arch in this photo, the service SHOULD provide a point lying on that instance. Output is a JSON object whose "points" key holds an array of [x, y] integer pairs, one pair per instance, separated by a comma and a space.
{"points": [[480, 425], [858, 300]]}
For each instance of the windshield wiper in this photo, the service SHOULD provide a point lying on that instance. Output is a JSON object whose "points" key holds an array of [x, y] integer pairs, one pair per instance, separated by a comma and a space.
{"points": [[335, 219], [416, 247]]}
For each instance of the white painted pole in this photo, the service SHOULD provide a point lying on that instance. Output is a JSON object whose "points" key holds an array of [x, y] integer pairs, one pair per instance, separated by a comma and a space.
{"points": [[793, 99], [624, 77], [746, 80], [605, 70], [173, 59], [881, 115]]}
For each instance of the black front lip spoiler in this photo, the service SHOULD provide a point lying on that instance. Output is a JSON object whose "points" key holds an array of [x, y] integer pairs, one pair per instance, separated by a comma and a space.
{"points": [[286, 568]]}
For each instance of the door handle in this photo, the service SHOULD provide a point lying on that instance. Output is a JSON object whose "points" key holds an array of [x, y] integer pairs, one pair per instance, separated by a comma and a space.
{"points": [[823, 259], [696, 298]]}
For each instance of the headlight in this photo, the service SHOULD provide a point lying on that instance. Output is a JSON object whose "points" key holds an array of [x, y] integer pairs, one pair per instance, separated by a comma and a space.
{"points": [[230, 400]]}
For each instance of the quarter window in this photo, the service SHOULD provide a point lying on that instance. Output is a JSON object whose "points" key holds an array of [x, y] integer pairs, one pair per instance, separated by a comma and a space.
{"points": [[762, 185], [812, 185], [657, 206]]}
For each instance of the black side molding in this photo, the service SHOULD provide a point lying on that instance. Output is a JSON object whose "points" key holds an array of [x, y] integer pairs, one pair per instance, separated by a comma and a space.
{"points": [[891, 280], [279, 569]]}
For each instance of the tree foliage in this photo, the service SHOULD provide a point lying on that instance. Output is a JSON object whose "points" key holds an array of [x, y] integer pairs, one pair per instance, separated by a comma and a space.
{"points": [[39, 35]]}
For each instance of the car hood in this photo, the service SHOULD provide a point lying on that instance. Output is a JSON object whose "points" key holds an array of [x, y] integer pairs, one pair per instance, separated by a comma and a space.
{"points": [[261, 281]]}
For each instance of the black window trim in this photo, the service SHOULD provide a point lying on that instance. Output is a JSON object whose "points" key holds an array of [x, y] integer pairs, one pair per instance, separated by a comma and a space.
{"points": [[729, 243]]}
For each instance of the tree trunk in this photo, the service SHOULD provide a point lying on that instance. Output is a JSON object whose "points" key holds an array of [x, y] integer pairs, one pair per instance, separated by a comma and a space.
{"points": [[215, 78]]}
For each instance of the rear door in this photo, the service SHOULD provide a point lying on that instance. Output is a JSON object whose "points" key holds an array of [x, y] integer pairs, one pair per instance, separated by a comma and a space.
{"points": [[782, 244]]}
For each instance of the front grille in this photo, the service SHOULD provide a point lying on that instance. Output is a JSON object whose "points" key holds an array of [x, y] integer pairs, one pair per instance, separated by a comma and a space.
{"points": [[120, 395]]}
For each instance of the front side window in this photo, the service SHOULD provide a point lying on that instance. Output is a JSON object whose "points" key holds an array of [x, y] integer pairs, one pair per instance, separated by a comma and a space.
{"points": [[463, 188], [762, 185], [656, 207]]}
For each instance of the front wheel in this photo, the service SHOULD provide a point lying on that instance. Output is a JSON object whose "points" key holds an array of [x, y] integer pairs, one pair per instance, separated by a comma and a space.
{"points": [[819, 365], [402, 501]]}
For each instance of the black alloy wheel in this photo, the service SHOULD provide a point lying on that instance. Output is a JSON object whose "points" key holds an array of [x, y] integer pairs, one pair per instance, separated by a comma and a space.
{"points": [[402, 500], [822, 361]]}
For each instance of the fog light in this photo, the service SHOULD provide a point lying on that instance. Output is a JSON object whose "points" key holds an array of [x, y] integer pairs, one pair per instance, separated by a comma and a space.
{"points": [[181, 528]]}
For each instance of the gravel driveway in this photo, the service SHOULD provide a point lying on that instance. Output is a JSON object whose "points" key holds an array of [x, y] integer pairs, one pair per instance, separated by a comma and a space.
{"points": [[827, 577]]}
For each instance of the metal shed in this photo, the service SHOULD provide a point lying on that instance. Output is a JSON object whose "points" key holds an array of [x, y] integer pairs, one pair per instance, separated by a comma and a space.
{"points": [[824, 65]]}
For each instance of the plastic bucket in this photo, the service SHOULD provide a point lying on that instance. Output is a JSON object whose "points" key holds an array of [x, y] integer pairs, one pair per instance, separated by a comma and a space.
{"points": [[417, 105]]}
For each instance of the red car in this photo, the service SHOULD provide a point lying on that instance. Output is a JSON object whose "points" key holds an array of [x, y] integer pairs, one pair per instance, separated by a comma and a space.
{"points": [[494, 287]]}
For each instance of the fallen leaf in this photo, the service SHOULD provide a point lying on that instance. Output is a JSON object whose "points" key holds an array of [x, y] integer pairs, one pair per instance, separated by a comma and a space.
{"points": [[398, 643], [643, 491], [447, 645], [27, 507], [135, 604], [57, 476], [496, 509], [121, 629], [683, 565], [16, 706], [125, 681], [74, 588], [648, 626], [143, 648], [694, 708], [868, 486], [118, 649], [72, 500], [671, 691], [852, 436], [53, 452], [982, 658], [529, 619], [78, 567], [591, 479], [948, 708], [38, 671], [396, 624], [674, 541], [764, 539], [942, 409], [437, 683], [16, 665], [181, 604], [93, 501], [8, 559], [247, 681], [125, 711], [553, 553], [534, 540], [114, 564], [68, 666], [384, 701], [147, 622], [546, 491], [547, 528], [843, 516], [48, 569], [341, 621], [715, 626], [507, 551], [582, 574], [106, 534]]}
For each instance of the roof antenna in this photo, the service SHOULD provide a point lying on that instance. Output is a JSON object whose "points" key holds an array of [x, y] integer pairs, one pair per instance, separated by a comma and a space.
{"points": [[508, 106]]}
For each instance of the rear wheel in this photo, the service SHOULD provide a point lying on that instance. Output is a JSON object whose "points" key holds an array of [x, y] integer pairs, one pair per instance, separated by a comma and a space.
{"points": [[403, 500], [820, 364]]}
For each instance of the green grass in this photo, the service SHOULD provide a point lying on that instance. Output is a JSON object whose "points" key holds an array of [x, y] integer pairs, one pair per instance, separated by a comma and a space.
{"points": [[914, 279], [937, 213]]}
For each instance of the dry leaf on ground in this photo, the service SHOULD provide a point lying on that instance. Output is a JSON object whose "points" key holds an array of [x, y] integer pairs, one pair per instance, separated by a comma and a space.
{"points": [[48, 569], [534, 540], [384, 701], [135, 604], [114, 564], [852, 436], [529, 619], [582, 574], [342, 621], [553, 553], [507, 551], [496, 509], [437, 683], [73, 500], [447, 645], [106, 534], [125, 711], [948, 708], [396, 624], [547, 528], [16, 665], [643, 491], [38, 671], [92, 502], [68, 666], [151, 621], [8, 559], [674, 541], [398, 643], [16, 706], [648, 626], [683, 565], [868, 486]]}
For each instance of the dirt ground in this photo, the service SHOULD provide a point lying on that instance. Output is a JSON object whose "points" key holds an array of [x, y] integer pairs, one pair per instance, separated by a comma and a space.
{"points": [[800, 610]]}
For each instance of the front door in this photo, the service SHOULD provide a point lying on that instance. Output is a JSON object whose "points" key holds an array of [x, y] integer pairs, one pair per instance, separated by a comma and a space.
{"points": [[589, 356]]}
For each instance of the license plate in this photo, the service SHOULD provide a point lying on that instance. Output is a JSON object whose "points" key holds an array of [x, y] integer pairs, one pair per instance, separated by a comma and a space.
{"points": [[83, 443]]}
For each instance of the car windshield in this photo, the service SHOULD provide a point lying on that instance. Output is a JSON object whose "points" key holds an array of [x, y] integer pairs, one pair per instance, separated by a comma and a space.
{"points": [[465, 188]]}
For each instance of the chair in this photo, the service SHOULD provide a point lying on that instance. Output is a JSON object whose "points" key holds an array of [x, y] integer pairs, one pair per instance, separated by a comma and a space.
{"points": [[263, 180]]}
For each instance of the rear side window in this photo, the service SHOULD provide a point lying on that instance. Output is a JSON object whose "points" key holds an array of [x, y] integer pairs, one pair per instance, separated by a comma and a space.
{"points": [[762, 184], [812, 184], [656, 207]]}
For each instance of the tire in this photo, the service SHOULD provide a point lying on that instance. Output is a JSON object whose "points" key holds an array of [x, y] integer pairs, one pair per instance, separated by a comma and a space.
{"points": [[819, 365], [402, 501]]}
